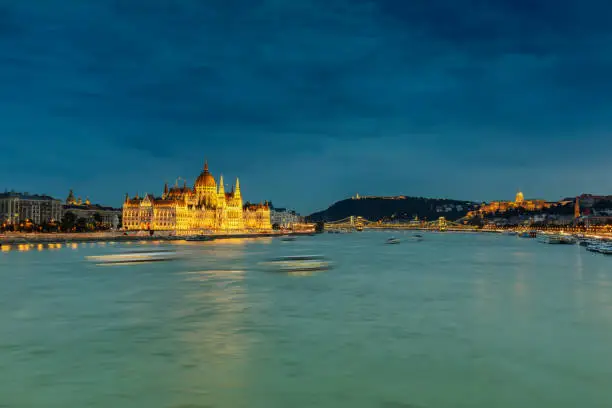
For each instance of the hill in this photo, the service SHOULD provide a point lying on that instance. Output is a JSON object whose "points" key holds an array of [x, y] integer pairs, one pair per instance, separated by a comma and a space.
{"points": [[394, 208]]}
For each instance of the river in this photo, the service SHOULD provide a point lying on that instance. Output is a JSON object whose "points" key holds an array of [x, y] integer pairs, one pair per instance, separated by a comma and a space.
{"points": [[457, 320]]}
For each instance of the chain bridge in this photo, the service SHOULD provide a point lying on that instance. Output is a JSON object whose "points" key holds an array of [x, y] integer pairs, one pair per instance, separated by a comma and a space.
{"points": [[360, 223]]}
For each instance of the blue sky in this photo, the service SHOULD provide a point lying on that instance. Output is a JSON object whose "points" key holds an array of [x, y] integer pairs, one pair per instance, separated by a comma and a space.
{"points": [[307, 101]]}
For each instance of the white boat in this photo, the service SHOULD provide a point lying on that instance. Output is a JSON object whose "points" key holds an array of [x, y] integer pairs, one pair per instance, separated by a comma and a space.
{"points": [[605, 249], [601, 248], [556, 239], [299, 263], [392, 240], [133, 257]]}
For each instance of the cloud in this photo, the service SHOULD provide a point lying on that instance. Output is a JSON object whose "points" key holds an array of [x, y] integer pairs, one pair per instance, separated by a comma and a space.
{"points": [[506, 87]]}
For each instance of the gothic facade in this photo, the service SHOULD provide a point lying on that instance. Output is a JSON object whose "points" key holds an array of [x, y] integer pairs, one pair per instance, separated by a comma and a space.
{"points": [[205, 208]]}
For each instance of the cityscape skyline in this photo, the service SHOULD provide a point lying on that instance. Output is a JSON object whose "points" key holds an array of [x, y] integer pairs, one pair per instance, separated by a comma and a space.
{"points": [[308, 102]]}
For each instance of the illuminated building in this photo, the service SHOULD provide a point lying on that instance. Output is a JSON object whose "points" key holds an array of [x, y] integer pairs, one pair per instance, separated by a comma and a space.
{"points": [[206, 207], [518, 203]]}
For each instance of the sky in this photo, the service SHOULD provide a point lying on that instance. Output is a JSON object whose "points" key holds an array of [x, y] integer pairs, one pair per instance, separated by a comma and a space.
{"points": [[307, 101]]}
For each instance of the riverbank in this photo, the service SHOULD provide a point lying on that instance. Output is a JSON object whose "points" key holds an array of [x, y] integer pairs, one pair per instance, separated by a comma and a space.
{"points": [[61, 238]]}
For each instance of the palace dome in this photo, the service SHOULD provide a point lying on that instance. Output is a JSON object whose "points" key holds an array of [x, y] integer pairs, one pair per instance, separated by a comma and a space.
{"points": [[205, 179], [519, 198]]}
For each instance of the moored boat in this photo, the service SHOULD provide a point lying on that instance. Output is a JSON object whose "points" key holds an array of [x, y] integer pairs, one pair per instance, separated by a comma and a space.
{"points": [[556, 239], [199, 238], [600, 247]]}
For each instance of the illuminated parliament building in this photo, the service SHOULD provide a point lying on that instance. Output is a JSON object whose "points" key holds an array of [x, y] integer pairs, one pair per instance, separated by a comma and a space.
{"points": [[205, 208]]}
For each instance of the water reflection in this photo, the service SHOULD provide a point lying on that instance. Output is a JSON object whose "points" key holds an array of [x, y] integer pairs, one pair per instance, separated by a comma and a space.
{"points": [[216, 345]]}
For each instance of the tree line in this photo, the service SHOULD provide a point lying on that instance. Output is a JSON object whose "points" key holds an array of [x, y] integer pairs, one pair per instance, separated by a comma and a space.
{"points": [[69, 223]]}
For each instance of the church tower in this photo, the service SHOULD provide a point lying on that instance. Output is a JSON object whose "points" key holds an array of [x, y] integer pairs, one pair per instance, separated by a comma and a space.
{"points": [[70, 200]]}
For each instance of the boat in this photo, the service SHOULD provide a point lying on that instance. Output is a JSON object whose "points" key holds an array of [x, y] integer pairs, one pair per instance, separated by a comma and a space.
{"points": [[133, 257], [392, 240], [556, 239], [527, 234], [605, 249], [511, 233], [600, 247], [199, 238], [548, 239], [418, 236], [288, 238], [299, 263]]}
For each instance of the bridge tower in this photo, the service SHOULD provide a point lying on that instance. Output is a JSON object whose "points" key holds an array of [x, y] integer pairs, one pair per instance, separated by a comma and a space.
{"points": [[352, 221]]}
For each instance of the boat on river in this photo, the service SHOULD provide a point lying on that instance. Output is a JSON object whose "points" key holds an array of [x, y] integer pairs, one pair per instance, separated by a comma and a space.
{"points": [[299, 263], [600, 247], [556, 239], [392, 240], [199, 238], [134, 257]]}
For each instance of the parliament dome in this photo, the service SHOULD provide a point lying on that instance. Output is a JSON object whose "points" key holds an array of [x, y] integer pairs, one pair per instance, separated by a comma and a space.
{"points": [[205, 179]]}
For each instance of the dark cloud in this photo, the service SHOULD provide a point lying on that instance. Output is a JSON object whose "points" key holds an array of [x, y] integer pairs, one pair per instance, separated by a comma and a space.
{"points": [[369, 95]]}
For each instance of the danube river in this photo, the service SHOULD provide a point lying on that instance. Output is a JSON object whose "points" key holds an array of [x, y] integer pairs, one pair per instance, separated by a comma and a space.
{"points": [[457, 320]]}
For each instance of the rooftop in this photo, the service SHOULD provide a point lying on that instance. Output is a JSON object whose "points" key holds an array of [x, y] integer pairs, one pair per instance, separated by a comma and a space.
{"points": [[26, 196]]}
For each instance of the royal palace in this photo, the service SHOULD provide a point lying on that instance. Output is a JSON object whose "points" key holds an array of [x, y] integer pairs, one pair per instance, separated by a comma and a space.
{"points": [[518, 203], [205, 208]]}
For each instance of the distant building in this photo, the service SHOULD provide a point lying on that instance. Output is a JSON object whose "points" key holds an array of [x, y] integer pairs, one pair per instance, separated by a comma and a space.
{"points": [[17, 207], [285, 218], [518, 203], [108, 215]]}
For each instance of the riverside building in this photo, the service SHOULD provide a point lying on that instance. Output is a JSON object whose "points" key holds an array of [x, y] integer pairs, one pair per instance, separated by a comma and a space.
{"points": [[204, 208], [18, 207]]}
